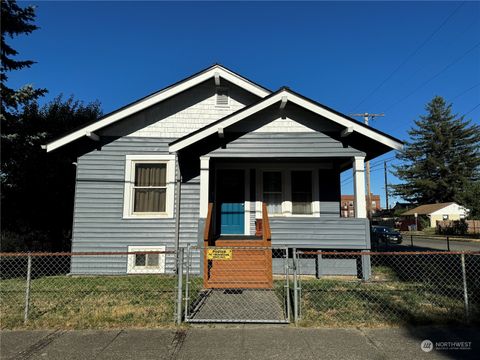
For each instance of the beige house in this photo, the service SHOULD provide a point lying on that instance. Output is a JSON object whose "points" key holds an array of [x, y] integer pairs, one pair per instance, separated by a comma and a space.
{"points": [[439, 212]]}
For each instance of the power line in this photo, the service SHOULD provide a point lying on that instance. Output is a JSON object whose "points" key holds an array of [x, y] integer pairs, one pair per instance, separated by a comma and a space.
{"points": [[374, 165], [465, 91], [434, 76], [411, 55], [421, 69], [476, 106]]}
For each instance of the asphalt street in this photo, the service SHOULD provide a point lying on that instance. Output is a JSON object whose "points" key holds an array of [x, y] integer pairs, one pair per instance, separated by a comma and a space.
{"points": [[420, 243]]}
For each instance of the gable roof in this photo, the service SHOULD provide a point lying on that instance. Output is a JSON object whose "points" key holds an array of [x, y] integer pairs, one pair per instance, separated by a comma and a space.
{"points": [[286, 95], [427, 208], [158, 96]]}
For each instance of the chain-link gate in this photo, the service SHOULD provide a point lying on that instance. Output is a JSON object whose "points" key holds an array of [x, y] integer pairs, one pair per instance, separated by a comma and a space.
{"points": [[237, 284]]}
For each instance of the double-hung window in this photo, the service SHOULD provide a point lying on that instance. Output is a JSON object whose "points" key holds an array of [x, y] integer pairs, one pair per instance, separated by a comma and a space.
{"points": [[290, 192], [150, 188], [149, 181], [301, 192], [272, 191]]}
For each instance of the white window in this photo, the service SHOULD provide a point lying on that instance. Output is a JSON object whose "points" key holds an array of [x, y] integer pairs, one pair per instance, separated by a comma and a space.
{"points": [[301, 192], [146, 261], [272, 191], [149, 186], [222, 98], [290, 192], [445, 217]]}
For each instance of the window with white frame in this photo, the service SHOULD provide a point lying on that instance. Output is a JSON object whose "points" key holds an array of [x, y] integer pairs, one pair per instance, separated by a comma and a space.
{"points": [[149, 182], [301, 183], [290, 192], [146, 260], [272, 191]]}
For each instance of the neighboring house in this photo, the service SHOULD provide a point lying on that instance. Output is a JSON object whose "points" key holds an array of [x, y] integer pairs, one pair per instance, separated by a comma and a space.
{"points": [[348, 204], [218, 138], [438, 212]]}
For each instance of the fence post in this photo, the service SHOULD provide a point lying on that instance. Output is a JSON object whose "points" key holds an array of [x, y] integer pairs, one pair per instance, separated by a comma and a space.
{"points": [[295, 286], [465, 290], [179, 285], [187, 282], [287, 284], [411, 240], [448, 243], [27, 288]]}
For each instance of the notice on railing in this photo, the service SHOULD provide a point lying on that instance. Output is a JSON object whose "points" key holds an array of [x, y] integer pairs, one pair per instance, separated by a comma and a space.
{"points": [[219, 254]]}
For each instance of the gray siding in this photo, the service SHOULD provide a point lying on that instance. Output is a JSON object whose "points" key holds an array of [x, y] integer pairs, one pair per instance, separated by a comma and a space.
{"points": [[98, 218], [320, 233], [286, 145]]}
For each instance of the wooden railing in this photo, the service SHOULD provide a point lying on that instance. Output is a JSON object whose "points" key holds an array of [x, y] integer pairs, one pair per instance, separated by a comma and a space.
{"points": [[266, 232], [208, 232]]}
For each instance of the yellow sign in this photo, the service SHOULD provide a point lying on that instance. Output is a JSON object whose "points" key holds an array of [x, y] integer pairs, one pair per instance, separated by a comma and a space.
{"points": [[219, 254]]}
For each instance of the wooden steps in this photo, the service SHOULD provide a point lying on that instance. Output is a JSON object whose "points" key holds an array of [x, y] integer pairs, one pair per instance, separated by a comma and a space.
{"points": [[249, 268], [250, 264]]}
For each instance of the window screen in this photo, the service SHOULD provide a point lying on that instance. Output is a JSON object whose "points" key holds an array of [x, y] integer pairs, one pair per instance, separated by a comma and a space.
{"points": [[150, 188], [302, 192], [272, 191]]}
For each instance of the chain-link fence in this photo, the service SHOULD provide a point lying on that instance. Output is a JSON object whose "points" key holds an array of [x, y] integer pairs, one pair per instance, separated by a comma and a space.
{"points": [[238, 284], [403, 288], [86, 290]]}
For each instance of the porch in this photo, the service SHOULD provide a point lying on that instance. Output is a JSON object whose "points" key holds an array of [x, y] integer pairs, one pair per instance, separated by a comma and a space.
{"points": [[302, 199], [254, 206]]}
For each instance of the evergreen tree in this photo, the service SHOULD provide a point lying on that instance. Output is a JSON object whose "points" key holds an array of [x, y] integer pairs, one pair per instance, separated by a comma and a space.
{"points": [[442, 158], [15, 21]]}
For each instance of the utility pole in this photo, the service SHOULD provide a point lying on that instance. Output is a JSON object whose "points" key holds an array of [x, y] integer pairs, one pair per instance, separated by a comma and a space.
{"points": [[366, 117], [386, 183]]}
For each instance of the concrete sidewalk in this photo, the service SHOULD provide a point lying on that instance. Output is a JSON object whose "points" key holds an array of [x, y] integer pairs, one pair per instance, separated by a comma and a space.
{"points": [[239, 342]]}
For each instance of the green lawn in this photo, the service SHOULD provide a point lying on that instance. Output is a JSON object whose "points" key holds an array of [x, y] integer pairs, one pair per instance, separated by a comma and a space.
{"points": [[89, 302], [384, 301]]}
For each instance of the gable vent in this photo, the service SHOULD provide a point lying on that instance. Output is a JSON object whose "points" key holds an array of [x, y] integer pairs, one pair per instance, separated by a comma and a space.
{"points": [[222, 97]]}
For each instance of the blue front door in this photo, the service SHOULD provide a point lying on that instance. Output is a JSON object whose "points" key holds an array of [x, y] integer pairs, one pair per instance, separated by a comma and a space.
{"points": [[231, 198]]}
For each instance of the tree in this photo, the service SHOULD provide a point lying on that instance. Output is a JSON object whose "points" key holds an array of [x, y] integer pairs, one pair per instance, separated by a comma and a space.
{"points": [[15, 21], [442, 158], [37, 188], [37, 204]]}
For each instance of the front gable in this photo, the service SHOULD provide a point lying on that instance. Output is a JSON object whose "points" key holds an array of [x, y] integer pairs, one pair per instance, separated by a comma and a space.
{"points": [[288, 112], [182, 114], [151, 109]]}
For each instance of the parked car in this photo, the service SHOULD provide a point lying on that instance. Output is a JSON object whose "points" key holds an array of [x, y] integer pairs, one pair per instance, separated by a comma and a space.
{"points": [[383, 235]]}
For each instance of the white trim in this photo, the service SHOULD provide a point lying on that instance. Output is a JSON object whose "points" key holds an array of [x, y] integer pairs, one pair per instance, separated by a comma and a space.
{"points": [[130, 161], [286, 170], [158, 97], [132, 269], [347, 131], [280, 96], [204, 185], [246, 208], [359, 187]]}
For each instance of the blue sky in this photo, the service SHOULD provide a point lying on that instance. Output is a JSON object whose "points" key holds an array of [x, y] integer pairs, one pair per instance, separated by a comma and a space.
{"points": [[390, 57]]}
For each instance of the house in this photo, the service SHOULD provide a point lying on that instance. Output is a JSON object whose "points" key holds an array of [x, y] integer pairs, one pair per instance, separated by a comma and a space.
{"points": [[213, 148], [438, 212], [348, 209]]}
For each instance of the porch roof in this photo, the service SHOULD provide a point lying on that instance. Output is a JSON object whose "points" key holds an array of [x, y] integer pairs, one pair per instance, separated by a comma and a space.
{"points": [[371, 141]]}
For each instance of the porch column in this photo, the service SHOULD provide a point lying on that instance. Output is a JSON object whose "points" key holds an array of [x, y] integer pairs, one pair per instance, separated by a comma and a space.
{"points": [[204, 180], [359, 187]]}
